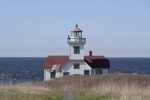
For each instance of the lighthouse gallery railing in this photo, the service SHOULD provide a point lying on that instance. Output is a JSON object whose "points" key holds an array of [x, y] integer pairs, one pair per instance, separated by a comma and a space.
{"points": [[76, 40]]}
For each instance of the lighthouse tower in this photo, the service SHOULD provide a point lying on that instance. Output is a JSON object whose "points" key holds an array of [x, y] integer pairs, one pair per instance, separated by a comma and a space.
{"points": [[76, 43]]}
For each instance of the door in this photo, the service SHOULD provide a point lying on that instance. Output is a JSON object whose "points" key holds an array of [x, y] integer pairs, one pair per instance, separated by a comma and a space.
{"points": [[98, 72], [53, 74], [86, 72]]}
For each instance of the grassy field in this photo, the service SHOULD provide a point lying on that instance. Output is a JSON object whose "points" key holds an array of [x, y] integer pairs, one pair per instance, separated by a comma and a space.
{"points": [[101, 87]]}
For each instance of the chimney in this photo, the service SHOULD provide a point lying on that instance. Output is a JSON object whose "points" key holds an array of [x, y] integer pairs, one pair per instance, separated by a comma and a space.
{"points": [[90, 53]]}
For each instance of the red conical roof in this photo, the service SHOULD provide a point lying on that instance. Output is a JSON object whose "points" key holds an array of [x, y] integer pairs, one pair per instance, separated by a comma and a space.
{"points": [[76, 29]]}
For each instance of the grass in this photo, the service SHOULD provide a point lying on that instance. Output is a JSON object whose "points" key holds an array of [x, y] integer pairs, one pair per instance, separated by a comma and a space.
{"points": [[28, 91], [90, 95], [101, 87]]}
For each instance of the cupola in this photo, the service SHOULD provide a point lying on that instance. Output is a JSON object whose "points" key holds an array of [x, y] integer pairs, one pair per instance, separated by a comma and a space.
{"points": [[76, 37]]}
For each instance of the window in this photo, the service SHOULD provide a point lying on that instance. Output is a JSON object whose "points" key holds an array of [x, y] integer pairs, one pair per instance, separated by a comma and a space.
{"points": [[76, 34], [76, 50], [76, 66], [66, 73], [99, 71], [53, 74], [86, 72], [80, 34]]}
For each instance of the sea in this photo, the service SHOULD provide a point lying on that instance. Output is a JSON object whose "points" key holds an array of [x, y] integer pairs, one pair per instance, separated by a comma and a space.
{"points": [[28, 69]]}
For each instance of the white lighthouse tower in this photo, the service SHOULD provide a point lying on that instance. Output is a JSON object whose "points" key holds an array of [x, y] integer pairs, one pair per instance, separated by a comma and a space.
{"points": [[76, 43]]}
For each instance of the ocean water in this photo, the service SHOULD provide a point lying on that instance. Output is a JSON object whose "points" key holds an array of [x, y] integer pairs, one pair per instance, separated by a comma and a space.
{"points": [[130, 65], [18, 69]]}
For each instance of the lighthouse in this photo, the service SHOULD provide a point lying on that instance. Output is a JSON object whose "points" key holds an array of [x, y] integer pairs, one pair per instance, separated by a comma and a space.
{"points": [[76, 63], [76, 43]]}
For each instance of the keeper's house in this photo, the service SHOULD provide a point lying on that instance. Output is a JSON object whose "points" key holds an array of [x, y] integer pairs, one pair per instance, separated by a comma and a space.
{"points": [[76, 63]]}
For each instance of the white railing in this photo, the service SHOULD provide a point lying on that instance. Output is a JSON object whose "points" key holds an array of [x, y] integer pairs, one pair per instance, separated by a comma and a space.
{"points": [[81, 41]]}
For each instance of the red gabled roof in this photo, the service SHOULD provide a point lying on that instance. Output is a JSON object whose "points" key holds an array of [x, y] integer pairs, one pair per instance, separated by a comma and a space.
{"points": [[54, 60], [97, 61], [90, 58], [76, 29], [92, 61]]}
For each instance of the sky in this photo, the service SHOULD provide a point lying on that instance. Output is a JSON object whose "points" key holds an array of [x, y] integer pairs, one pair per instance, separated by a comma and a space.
{"points": [[39, 28]]}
